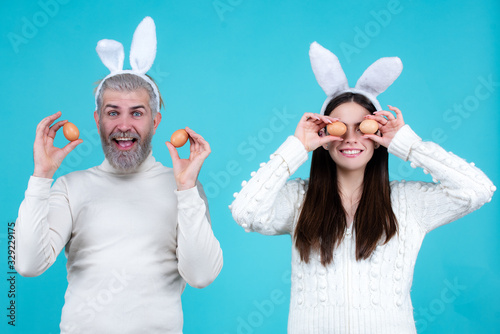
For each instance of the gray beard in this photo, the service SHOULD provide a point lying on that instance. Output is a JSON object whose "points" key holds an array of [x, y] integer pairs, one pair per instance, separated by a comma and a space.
{"points": [[126, 161]]}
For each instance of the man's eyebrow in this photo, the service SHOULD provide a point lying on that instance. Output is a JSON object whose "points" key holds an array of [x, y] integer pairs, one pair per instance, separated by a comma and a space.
{"points": [[138, 107], [111, 106]]}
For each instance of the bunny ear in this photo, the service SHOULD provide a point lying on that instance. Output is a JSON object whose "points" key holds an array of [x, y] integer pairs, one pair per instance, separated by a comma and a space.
{"points": [[327, 70], [143, 49], [111, 54], [380, 75]]}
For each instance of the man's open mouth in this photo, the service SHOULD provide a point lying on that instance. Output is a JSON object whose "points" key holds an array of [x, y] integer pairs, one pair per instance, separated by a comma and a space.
{"points": [[124, 143]]}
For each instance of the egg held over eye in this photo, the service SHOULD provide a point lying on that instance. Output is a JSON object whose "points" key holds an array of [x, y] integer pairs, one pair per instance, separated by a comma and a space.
{"points": [[336, 129], [179, 138], [70, 131], [369, 126]]}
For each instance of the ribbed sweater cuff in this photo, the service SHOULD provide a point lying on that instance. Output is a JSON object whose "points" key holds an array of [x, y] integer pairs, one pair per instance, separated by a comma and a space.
{"points": [[293, 152], [188, 198], [39, 187], [402, 142]]}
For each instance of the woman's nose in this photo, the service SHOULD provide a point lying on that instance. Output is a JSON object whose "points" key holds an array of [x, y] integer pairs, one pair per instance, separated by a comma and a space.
{"points": [[351, 135]]}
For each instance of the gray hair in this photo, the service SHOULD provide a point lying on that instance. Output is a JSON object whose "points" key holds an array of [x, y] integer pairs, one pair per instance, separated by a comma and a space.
{"points": [[127, 82]]}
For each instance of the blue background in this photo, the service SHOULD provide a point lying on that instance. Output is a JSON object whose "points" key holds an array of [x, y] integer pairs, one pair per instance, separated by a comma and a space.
{"points": [[238, 72]]}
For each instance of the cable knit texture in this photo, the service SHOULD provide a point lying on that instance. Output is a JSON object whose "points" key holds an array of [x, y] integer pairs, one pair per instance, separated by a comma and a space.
{"points": [[373, 295]]}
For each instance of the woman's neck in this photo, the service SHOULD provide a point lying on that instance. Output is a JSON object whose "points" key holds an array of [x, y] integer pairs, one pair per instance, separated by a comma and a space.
{"points": [[351, 188]]}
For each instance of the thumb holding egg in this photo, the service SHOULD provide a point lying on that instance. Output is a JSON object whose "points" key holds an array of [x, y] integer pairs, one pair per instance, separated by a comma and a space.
{"points": [[389, 125], [46, 156], [186, 170], [310, 130]]}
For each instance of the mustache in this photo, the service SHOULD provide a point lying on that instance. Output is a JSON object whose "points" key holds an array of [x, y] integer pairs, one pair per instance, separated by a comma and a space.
{"points": [[127, 134]]}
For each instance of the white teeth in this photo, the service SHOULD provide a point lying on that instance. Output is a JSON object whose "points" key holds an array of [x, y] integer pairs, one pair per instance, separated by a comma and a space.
{"points": [[123, 138], [351, 151]]}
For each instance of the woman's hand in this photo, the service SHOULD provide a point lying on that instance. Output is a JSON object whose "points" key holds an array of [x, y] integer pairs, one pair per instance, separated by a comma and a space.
{"points": [[186, 170], [388, 125], [46, 156], [310, 131]]}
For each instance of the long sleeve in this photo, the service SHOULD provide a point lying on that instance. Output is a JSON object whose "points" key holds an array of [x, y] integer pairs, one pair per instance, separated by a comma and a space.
{"points": [[458, 189], [43, 226], [198, 251], [268, 204]]}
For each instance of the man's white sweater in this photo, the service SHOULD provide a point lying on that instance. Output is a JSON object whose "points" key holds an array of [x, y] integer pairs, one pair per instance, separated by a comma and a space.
{"points": [[132, 242]]}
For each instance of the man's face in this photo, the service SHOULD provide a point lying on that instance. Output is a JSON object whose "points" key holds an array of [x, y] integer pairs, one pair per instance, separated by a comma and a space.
{"points": [[126, 127]]}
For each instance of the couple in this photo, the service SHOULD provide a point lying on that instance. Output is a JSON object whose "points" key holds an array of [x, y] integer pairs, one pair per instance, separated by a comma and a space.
{"points": [[135, 231]]}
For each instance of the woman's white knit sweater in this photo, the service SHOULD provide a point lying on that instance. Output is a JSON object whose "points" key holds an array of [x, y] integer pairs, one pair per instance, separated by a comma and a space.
{"points": [[373, 295]]}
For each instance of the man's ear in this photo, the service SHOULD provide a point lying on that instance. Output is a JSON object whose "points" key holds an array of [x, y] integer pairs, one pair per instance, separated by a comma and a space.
{"points": [[96, 118], [156, 121]]}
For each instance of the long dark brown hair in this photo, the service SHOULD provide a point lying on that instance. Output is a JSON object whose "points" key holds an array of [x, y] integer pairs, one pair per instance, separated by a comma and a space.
{"points": [[322, 221]]}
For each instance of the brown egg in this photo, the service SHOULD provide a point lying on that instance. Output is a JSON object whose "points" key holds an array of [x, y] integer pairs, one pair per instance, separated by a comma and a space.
{"points": [[336, 129], [70, 131], [369, 126], [179, 138]]}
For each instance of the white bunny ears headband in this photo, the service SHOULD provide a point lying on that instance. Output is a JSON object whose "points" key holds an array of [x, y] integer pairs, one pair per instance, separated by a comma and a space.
{"points": [[142, 55], [330, 76]]}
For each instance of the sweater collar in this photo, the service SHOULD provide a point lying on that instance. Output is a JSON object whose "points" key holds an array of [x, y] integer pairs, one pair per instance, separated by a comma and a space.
{"points": [[143, 167]]}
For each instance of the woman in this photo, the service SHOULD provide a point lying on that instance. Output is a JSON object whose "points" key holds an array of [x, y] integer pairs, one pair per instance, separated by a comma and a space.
{"points": [[355, 235]]}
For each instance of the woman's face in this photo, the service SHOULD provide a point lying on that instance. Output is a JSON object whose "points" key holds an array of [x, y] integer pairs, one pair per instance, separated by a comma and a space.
{"points": [[354, 152]]}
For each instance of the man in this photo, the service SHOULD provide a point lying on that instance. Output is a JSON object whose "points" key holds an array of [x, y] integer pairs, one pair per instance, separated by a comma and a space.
{"points": [[134, 231]]}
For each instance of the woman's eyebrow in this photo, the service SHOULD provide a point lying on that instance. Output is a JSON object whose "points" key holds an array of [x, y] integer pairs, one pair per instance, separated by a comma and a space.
{"points": [[356, 124]]}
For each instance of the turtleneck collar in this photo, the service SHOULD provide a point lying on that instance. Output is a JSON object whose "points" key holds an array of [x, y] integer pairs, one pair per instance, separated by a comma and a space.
{"points": [[144, 166]]}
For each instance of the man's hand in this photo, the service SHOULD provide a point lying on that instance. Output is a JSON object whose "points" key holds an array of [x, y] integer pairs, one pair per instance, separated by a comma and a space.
{"points": [[47, 157], [186, 170]]}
